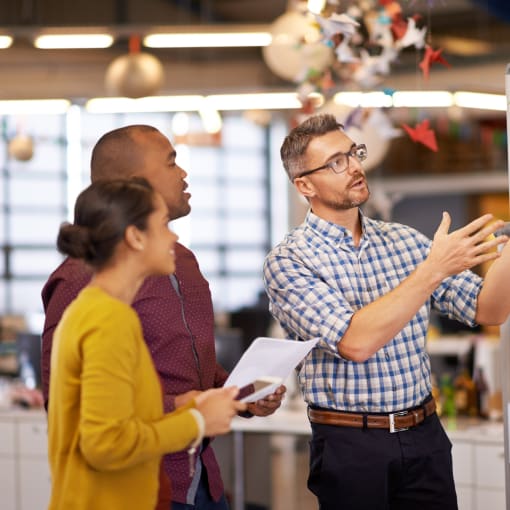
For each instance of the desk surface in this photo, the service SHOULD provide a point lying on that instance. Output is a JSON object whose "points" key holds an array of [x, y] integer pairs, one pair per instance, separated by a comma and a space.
{"points": [[293, 420], [283, 421]]}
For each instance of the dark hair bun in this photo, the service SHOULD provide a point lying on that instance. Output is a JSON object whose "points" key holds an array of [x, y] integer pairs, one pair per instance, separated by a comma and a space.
{"points": [[75, 241], [102, 213]]}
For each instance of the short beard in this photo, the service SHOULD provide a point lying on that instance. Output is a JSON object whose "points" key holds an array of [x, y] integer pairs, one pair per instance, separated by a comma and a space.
{"points": [[345, 205]]}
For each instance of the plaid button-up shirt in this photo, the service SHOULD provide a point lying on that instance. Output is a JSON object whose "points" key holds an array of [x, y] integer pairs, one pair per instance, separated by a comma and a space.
{"points": [[316, 279]]}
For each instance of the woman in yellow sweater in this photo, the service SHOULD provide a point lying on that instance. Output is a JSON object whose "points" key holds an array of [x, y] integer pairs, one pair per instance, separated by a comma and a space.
{"points": [[107, 429]]}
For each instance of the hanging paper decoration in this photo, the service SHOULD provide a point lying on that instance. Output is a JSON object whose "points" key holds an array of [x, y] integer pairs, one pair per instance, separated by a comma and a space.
{"points": [[296, 52], [431, 56], [421, 133], [412, 36], [21, 147], [355, 46], [367, 38], [135, 74], [360, 42]]}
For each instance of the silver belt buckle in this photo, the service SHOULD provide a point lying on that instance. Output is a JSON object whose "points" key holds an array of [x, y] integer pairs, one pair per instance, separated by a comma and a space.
{"points": [[392, 421]]}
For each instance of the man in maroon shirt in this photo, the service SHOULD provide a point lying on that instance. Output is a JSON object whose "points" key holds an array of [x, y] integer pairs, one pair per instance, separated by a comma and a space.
{"points": [[176, 311]]}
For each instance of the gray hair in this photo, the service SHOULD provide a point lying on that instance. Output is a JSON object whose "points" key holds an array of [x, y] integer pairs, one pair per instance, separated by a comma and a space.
{"points": [[296, 142]]}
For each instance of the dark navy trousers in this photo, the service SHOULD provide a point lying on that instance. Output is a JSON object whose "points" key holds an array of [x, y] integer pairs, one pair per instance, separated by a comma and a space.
{"points": [[373, 469]]}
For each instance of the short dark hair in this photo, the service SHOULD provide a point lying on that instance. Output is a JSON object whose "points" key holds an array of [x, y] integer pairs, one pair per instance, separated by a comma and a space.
{"points": [[102, 213], [119, 153], [296, 142]]}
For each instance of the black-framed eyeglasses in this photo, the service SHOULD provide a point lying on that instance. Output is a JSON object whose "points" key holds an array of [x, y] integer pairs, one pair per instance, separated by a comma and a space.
{"points": [[340, 162]]}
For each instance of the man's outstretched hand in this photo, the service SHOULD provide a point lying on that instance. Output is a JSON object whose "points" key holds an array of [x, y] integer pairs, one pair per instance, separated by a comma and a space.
{"points": [[473, 244]]}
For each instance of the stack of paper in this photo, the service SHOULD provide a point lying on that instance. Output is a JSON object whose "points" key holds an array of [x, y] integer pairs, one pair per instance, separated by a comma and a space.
{"points": [[266, 364]]}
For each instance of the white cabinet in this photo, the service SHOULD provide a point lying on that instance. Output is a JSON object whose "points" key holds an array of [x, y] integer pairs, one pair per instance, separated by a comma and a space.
{"points": [[34, 484], [490, 499], [32, 437], [7, 431], [8, 489], [24, 471], [490, 465], [479, 467], [463, 470], [7, 483]]}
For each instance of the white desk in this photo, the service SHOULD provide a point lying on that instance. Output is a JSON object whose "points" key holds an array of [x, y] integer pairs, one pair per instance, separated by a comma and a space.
{"points": [[284, 422]]}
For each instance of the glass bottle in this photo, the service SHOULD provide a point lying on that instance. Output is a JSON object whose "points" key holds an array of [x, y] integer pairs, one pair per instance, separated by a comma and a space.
{"points": [[482, 393], [465, 394]]}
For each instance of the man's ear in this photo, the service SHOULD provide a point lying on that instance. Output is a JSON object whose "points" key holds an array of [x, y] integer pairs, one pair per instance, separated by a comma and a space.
{"points": [[304, 187], [134, 238]]}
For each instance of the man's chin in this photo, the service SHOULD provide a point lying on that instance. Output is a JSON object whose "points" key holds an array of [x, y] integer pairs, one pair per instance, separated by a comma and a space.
{"points": [[183, 211]]}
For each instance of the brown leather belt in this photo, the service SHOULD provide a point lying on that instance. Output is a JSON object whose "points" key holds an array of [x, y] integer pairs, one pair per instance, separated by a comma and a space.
{"points": [[394, 422]]}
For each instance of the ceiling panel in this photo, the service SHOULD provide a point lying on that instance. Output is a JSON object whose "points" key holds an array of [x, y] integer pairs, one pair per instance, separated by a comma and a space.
{"points": [[473, 38]]}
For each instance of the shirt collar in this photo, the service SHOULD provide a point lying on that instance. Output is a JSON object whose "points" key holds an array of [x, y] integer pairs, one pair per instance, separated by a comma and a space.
{"points": [[331, 232]]}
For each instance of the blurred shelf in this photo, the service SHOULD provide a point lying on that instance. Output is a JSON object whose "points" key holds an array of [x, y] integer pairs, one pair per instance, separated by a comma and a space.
{"points": [[450, 345]]}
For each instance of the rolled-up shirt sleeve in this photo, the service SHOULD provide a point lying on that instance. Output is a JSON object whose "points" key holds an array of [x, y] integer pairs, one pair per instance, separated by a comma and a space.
{"points": [[303, 303]]}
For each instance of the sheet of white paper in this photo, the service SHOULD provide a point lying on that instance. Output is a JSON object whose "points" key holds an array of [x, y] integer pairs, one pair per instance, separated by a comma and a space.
{"points": [[268, 359]]}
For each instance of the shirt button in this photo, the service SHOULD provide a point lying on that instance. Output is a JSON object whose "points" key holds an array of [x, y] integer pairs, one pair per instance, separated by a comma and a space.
{"points": [[394, 388], [387, 356]]}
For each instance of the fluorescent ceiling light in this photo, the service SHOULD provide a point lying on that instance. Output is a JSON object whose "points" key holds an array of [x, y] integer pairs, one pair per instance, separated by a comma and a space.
{"points": [[145, 104], [290, 100], [73, 41], [481, 101], [423, 99], [5, 41], [263, 101], [364, 99], [207, 40], [34, 106], [420, 99]]}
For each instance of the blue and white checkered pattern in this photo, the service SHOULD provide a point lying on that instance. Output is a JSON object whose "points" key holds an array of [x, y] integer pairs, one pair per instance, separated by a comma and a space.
{"points": [[316, 279]]}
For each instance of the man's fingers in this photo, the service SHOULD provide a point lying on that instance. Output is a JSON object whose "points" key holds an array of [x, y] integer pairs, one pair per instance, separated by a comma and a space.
{"points": [[492, 243], [477, 225], [487, 231], [444, 226], [486, 257]]}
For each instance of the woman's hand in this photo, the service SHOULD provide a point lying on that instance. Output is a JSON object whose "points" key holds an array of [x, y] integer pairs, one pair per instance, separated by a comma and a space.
{"points": [[218, 406]]}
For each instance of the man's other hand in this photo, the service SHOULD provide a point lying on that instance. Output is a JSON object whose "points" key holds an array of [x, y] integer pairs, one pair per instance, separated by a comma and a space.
{"points": [[269, 404]]}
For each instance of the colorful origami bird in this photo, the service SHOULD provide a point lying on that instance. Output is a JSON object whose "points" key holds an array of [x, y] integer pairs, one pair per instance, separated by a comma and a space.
{"points": [[413, 36], [429, 58], [421, 133], [337, 24], [354, 119]]}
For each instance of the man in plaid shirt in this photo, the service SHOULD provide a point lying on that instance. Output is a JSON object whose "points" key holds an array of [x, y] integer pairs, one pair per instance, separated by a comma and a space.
{"points": [[366, 288]]}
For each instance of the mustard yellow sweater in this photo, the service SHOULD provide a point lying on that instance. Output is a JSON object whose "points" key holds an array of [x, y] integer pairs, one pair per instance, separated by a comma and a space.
{"points": [[106, 426]]}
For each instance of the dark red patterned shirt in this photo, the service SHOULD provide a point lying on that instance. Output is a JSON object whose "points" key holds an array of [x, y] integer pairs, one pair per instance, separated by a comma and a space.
{"points": [[179, 331]]}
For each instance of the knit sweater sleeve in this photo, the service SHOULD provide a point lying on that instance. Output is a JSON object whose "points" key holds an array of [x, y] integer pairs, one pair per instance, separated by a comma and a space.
{"points": [[113, 435]]}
